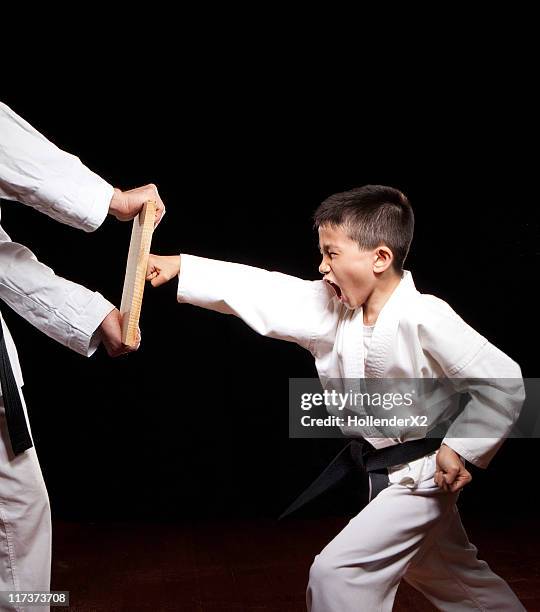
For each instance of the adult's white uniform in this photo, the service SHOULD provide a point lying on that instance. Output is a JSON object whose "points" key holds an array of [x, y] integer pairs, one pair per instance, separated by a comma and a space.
{"points": [[411, 529], [37, 173]]}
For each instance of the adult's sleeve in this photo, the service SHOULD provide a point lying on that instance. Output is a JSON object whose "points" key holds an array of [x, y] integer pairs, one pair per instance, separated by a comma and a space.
{"points": [[65, 311], [37, 173]]}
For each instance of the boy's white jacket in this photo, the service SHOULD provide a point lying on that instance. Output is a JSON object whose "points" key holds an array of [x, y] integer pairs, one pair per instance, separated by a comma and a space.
{"points": [[416, 336], [37, 173]]}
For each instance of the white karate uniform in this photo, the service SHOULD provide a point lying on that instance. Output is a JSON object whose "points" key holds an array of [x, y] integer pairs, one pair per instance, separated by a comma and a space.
{"points": [[412, 528], [37, 173]]}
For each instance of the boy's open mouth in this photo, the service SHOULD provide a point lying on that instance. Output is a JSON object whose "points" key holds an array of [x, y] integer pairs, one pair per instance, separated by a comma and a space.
{"points": [[336, 288]]}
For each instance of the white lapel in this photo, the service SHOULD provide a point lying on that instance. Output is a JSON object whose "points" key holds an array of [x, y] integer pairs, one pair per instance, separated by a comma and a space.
{"points": [[352, 343], [386, 328]]}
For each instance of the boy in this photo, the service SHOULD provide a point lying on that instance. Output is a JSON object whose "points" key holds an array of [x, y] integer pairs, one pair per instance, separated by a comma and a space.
{"points": [[366, 320]]}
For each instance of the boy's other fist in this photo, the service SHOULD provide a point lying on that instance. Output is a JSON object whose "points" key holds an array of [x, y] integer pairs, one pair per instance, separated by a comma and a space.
{"points": [[161, 268], [450, 474]]}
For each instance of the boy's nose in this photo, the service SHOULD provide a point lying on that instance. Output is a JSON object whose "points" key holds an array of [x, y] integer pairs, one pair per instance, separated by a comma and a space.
{"points": [[324, 268]]}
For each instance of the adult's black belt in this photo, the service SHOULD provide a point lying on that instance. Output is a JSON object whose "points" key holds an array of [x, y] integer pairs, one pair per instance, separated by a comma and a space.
{"points": [[14, 411], [359, 454]]}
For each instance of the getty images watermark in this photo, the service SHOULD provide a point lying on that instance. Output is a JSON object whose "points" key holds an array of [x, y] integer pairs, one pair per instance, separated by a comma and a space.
{"points": [[347, 400], [413, 408]]}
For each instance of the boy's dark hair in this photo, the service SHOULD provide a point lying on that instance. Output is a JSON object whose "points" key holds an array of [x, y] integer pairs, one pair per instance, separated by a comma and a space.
{"points": [[371, 215]]}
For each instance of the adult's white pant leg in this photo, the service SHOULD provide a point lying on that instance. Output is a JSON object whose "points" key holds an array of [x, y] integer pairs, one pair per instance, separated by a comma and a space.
{"points": [[452, 577], [360, 569], [25, 520]]}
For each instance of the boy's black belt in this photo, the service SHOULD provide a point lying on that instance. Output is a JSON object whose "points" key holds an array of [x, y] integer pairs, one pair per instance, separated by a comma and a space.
{"points": [[14, 411], [359, 454]]}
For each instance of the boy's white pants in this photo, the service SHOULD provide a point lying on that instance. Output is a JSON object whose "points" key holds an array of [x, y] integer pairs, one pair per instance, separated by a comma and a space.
{"points": [[25, 521], [415, 534]]}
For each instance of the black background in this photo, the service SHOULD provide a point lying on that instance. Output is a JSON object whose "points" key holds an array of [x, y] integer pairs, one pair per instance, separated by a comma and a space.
{"points": [[196, 422]]}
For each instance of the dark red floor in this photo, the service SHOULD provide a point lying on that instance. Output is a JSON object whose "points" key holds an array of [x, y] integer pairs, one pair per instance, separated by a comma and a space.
{"points": [[240, 566]]}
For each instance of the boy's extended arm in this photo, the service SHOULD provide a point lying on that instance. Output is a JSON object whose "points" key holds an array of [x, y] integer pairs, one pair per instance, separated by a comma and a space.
{"points": [[271, 303]]}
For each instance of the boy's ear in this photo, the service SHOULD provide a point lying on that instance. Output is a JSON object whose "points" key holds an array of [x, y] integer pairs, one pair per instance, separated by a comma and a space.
{"points": [[382, 259]]}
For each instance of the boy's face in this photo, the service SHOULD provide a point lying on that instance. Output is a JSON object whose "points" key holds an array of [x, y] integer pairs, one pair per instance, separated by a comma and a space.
{"points": [[347, 269]]}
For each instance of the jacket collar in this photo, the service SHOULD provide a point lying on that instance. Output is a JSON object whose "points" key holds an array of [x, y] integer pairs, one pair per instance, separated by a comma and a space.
{"points": [[386, 327]]}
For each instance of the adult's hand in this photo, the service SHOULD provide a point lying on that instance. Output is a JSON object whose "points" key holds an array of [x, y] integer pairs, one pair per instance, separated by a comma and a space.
{"points": [[126, 205], [111, 335]]}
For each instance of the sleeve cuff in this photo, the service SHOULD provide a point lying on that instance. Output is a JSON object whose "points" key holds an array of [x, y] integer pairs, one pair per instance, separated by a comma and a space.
{"points": [[183, 278], [458, 446], [193, 279], [86, 337], [99, 207], [82, 201]]}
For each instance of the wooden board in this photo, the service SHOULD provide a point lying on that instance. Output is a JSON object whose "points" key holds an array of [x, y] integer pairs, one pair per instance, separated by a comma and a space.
{"points": [[134, 279]]}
